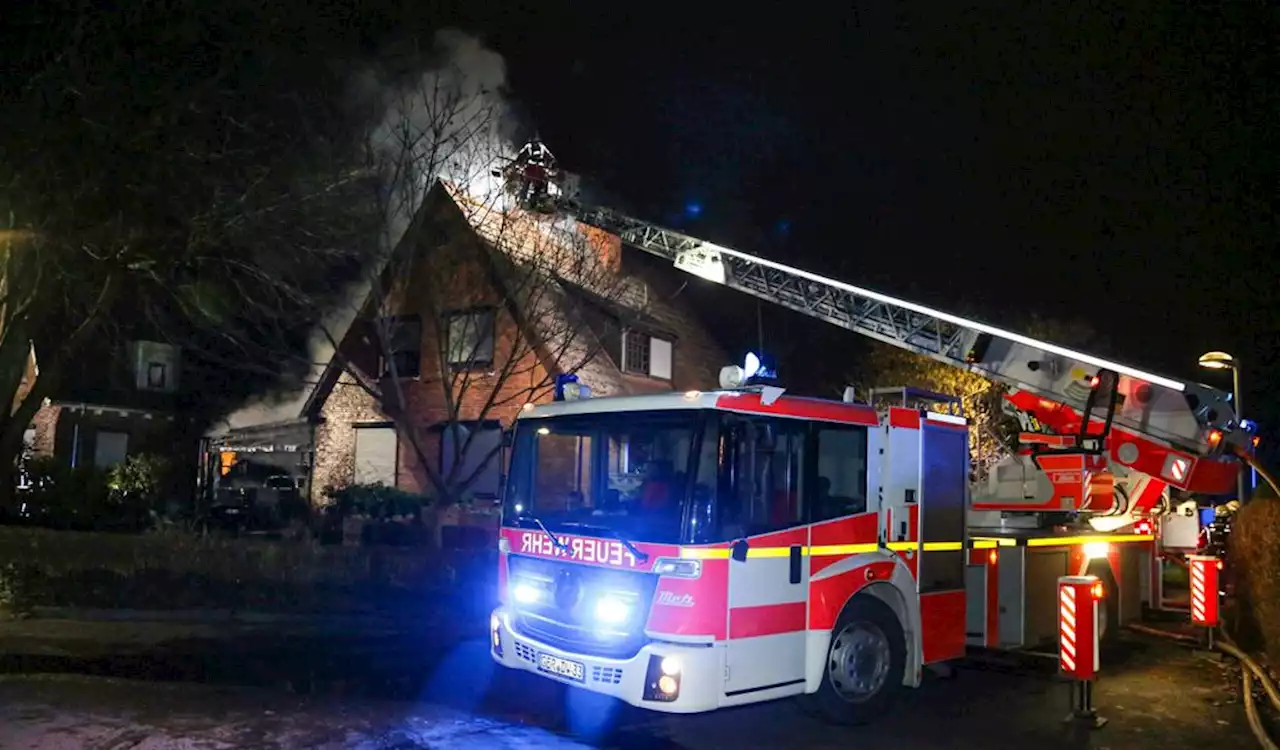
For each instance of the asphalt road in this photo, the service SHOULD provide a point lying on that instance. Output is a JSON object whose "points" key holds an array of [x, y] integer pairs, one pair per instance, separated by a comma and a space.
{"points": [[384, 695]]}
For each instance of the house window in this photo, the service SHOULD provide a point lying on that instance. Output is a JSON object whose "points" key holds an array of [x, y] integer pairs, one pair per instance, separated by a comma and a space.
{"points": [[110, 448], [377, 451], [470, 338], [403, 356], [157, 376], [473, 452], [646, 355]]}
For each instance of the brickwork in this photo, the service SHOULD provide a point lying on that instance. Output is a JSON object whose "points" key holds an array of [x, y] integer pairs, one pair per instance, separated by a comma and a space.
{"points": [[461, 271], [347, 405]]}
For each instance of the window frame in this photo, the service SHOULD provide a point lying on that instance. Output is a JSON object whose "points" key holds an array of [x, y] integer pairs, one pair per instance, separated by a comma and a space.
{"points": [[649, 338], [727, 484], [812, 466], [491, 329], [388, 353]]}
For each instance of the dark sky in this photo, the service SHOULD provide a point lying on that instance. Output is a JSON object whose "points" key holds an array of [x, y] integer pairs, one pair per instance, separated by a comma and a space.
{"points": [[1115, 167]]}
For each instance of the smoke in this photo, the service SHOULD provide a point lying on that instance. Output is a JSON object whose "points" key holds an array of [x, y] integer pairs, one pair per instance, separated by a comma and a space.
{"points": [[448, 120]]}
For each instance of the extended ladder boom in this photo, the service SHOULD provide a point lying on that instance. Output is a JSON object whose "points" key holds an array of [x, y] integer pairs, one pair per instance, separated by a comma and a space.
{"points": [[1161, 426]]}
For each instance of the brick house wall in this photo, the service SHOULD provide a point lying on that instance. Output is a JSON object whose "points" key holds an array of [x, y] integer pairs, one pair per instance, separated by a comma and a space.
{"points": [[473, 282]]}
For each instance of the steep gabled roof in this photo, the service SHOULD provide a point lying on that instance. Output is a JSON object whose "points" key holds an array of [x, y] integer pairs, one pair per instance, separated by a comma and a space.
{"points": [[509, 232]]}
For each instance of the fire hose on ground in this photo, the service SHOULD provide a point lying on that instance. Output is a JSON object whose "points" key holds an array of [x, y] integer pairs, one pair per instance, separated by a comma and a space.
{"points": [[1251, 669]]}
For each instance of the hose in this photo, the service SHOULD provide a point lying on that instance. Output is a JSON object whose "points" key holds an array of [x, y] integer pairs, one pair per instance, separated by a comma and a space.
{"points": [[1252, 461], [1252, 669]]}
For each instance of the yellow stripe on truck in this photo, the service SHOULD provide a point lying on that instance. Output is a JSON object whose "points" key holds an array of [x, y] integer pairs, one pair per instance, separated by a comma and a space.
{"points": [[840, 550], [1066, 541]]}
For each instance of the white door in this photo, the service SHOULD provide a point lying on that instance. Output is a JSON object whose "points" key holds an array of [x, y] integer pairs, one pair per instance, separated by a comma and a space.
{"points": [[376, 449]]}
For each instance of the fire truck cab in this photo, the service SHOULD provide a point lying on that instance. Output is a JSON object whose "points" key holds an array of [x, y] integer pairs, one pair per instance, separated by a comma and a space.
{"points": [[685, 552]]}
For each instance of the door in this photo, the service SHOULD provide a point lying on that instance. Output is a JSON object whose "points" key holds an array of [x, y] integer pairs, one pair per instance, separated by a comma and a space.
{"points": [[944, 478], [762, 511]]}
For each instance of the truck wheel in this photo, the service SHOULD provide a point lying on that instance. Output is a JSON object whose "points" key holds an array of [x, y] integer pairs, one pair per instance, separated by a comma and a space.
{"points": [[864, 666]]}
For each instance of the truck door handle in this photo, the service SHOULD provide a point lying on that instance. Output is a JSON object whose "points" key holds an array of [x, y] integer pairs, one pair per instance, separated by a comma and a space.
{"points": [[795, 563]]}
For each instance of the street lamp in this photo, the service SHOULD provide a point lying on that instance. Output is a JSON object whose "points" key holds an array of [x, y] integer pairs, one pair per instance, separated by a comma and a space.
{"points": [[1224, 361]]}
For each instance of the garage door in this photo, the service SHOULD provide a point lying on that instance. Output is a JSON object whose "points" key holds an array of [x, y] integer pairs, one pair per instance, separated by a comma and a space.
{"points": [[376, 455]]}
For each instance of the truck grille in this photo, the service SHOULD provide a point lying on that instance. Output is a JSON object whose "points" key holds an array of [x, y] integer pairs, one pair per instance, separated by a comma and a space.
{"points": [[564, 614]]}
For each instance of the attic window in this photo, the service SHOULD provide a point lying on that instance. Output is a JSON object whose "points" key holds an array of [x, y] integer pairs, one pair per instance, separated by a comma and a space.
{"points": [[643, 354], [471, 338], [402, 338]]}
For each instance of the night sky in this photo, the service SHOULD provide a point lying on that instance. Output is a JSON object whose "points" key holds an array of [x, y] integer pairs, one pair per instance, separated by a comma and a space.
{"points": [[1116, 168], [1112, 166]]}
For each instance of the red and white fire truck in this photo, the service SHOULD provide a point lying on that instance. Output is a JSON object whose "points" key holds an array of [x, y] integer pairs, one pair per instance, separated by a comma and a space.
{"points": [[689, 551]]}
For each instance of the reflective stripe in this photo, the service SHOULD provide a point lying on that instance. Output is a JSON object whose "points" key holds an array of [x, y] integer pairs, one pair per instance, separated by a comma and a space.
{"points": [[1071, 540], [842, 549], [702, 553], [773, 551], [989, 542], [943, 546], [838, 550]]}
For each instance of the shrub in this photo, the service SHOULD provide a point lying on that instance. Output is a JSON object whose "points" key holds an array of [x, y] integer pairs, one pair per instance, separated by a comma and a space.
{"points": [[1254, 556], [376, 501], [124, 497]]}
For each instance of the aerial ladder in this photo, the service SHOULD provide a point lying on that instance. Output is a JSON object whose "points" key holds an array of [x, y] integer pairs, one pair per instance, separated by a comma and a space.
{"points": [[1099, 438]]}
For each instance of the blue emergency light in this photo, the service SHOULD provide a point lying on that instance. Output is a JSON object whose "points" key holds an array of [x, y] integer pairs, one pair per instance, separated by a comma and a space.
{"points": [[569, 388], [757, 370]]}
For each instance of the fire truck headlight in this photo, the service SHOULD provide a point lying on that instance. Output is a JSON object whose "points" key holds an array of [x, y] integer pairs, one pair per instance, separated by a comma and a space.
{"points": [[1093, 550], [612, 610], [671, 666], [526, 594]]}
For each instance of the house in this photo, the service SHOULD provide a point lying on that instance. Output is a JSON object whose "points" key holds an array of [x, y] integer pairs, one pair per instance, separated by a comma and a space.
{"points": [[125, 406], [376, 406]]}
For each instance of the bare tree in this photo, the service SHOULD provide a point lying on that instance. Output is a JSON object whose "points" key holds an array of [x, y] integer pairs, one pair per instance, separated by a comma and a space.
{"points": [[210, 204], [479, 303]]}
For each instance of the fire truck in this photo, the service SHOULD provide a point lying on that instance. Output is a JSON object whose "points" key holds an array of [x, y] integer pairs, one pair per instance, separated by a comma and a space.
{"points": [[685, 552]]}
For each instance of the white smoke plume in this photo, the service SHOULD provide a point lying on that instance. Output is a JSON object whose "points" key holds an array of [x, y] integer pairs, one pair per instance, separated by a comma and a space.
{"points": [[451, 121]]}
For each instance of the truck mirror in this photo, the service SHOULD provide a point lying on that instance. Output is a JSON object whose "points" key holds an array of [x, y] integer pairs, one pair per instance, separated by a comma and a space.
{"points": [[739, 551]]}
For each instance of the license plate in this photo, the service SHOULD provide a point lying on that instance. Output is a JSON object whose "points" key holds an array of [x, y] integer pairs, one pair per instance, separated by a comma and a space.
{"points": [[561, 667]]}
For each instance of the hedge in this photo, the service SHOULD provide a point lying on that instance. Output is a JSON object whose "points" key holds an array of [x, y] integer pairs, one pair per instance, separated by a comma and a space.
{"points": [[40, 567], [1254, 557]]}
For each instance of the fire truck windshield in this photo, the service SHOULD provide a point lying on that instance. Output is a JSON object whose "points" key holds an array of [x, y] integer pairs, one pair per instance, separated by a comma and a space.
{"points": [[626, 474]]}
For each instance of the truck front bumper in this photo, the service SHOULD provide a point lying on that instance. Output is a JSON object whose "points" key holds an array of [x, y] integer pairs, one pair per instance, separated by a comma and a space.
{"points": [[693, 671]]}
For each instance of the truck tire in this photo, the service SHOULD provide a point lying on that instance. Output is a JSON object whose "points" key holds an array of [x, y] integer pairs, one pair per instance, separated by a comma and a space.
{"points": [[865, 663]]}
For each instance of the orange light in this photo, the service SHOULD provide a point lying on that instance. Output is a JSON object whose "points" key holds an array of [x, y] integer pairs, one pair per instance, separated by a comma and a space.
{"points": [[993, 556], [1219, 564], [1093, 381], [1215, 437], [1256, 440], [1096, 590]]}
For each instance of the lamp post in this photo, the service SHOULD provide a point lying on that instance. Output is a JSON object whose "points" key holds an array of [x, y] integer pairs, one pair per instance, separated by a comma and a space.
{"points": [[1224, 361]]}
